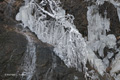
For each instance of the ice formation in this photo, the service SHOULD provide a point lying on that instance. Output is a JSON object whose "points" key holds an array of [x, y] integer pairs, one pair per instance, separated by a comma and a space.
{"points": [[116, 63], [59, 31], [97, 28], [53, 26], [101, 39], [29, 64], [116, 3], [116, 67]]}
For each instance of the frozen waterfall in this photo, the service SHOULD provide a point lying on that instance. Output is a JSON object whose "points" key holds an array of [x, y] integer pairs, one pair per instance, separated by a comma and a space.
{"points": [[52, 25], [59, 31], [29, 63]]}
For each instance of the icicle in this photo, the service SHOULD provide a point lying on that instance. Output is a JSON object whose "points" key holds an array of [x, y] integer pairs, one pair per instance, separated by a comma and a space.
{"points": [[97, 27], [97, 37], [60, 32], [116, 67], [29, 63]]}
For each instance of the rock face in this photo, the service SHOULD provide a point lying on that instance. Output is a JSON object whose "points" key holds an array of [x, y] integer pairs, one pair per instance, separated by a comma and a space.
{"points": [[78, 8], [50, 67], [9, 9], [13, 46], [112, 15]]}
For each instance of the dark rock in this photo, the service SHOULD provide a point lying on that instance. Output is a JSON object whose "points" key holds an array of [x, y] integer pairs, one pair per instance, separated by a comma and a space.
{"points": [[9, 9], [78, 8], [1, 0], [12, 48], [112, 15], [48, 65], [51, 67]]}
